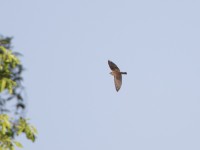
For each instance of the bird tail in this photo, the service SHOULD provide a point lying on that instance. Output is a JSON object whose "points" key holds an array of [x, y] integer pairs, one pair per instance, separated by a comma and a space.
{"points": [[123, 72]]}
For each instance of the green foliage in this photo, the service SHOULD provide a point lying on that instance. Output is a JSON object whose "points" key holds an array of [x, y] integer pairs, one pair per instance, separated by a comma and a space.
{"points": [[12, 89], [29, 130], [8, 61], [9, 127]]}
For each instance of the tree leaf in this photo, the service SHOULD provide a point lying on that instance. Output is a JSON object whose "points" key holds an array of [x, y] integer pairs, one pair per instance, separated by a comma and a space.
{"points": [[18, 144], [3, 84]]}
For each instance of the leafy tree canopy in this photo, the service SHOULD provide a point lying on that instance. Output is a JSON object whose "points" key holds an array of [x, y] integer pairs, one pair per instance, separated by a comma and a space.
{"points": [[12, 90]]}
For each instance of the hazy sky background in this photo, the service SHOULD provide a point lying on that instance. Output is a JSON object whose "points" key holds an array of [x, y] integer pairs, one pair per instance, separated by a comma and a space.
{"points": [[71, 96]]}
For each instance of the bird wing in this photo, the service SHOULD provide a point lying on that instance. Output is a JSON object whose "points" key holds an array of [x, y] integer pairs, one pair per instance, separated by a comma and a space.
{"points": [[118, 80], [113, 67]]}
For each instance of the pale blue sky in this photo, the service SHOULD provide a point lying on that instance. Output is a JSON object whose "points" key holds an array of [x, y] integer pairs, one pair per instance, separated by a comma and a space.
{"points": [[71, 96]]}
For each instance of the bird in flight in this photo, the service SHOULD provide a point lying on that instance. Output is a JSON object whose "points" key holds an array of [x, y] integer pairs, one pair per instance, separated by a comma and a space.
{"points": [[117, 75]]}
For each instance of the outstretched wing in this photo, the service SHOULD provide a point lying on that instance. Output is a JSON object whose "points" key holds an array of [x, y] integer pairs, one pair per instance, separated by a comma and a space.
{"points": [[118, 80], [113, 67]]}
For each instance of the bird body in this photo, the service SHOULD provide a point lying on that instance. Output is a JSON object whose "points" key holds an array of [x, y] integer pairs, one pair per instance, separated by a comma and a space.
{"points": [[117, 74]]}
